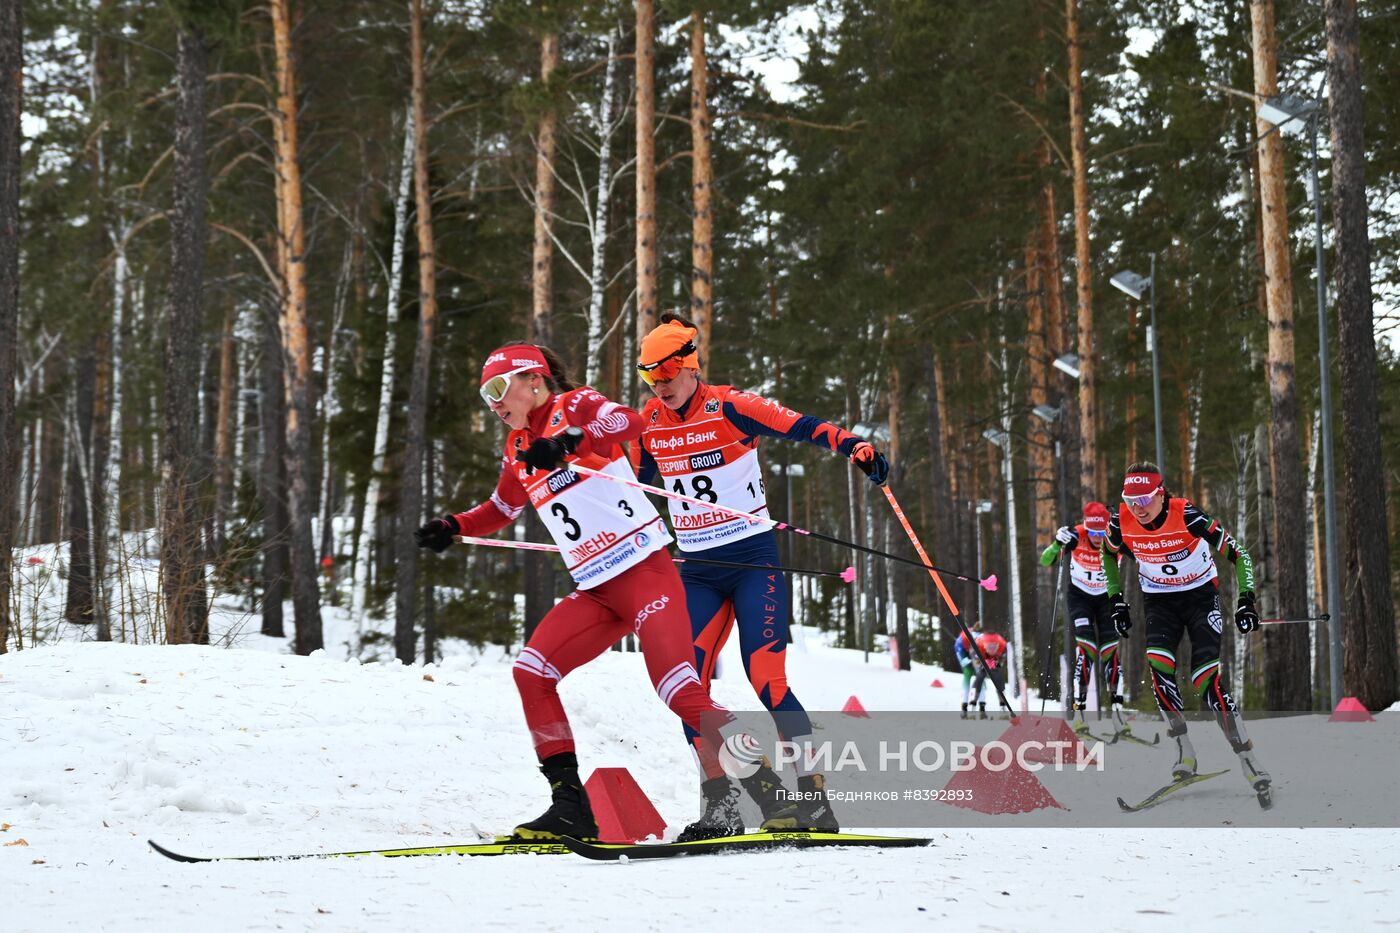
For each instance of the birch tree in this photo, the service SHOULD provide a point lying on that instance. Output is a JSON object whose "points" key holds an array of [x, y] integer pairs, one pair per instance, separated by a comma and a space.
{"points": [[364, 549], [411, 491]]}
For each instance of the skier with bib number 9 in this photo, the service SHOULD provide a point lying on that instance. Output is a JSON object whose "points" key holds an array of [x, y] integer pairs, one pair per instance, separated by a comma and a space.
{"points": [[702, 441], [1172, 541], [614, 544]]}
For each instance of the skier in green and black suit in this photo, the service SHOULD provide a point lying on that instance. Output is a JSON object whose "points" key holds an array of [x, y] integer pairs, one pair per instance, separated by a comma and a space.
{"points": [[1172, 541]]}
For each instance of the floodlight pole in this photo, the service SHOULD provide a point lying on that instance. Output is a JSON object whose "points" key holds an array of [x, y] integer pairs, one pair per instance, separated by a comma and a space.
{"points": [[1329, 486], [1156, 377]]}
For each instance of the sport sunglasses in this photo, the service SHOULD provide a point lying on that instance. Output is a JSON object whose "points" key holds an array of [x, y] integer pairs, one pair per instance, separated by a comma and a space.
{"points": [[494, 389], [1141, 502], [648, 371]]}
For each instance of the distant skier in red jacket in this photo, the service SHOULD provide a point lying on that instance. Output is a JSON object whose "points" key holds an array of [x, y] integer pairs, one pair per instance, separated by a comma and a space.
{"points": [[994, 650]]}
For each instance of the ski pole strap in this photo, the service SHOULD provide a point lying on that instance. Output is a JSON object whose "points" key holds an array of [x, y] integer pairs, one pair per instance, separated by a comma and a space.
{"points": [[506, 543], [848, 575]]}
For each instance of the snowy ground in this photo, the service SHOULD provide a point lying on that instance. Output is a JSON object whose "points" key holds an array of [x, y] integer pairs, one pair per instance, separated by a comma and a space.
{"points": [[251, 750]]}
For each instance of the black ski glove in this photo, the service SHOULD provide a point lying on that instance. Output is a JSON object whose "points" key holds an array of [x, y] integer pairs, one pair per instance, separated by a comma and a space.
{"points": [[1246, 618], [1122, 616], [548, 453], [871, 462], [437, 533]]}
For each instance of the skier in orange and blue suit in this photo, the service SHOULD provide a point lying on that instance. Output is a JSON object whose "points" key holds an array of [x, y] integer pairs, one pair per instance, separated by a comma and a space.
{"points": [[701, 440]]}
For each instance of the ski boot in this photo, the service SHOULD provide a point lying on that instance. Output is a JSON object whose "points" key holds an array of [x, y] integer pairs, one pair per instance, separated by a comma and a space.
{"points": [[569, 813], [814, 806], [1185, 766], [777, 810], [810, 812], [1258, 778], [964, 712], [981, 710], [1077, 720], [721, 815]]}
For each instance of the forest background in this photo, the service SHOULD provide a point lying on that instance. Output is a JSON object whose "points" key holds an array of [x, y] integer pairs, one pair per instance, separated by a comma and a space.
{"points": [[254, 254]]}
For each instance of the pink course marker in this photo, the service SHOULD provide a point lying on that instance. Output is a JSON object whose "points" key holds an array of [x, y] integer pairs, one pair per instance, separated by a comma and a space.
{"points": [[848, 575], [989, 584]]}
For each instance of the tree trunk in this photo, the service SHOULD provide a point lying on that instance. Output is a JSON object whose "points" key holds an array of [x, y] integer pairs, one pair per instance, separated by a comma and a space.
{"points": [[49, 522], [430, 637], [11, 105], [702, 183], [542, 277], [646, 167], [943, 506], [1089, 485], [272, 478], [369, 522], [330, 403], [223, 436], [539, 568], [602, 208], [296, 341], [79, 603], [1040, 437], [411, 473], [1288, 681], [898, 588], [181, 545], [1369, 659]]}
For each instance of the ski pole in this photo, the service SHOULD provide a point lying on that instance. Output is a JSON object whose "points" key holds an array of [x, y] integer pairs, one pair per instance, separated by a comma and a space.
{"points": [[847, 576], [1326, 616], [1050, 645], [989, 583], [919, 548], [928, 565]]}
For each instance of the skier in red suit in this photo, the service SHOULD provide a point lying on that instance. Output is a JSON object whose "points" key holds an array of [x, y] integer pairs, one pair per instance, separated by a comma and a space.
{"points": [[614, 544]]}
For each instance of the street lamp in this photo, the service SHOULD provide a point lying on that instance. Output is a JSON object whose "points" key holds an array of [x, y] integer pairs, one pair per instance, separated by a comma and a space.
{"points": [[1050, 415], [983, 508], [1002, 438], [1134, 285], [1068, 364], [1280, 110]]}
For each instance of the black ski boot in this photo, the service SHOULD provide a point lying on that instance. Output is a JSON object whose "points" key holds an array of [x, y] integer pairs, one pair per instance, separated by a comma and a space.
{"points": [[964, 712], [569, 814], [814, 806], [721, 815], [981, 710], [778, 811]]}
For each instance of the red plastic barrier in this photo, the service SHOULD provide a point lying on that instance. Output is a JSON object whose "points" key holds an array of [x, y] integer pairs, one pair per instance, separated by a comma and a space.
{"points": [[1012, 789], [1350, 709], [623, 811]]}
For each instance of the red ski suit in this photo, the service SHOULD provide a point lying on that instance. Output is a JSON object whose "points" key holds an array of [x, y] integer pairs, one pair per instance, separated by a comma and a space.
{"points": [[614, 544]]}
